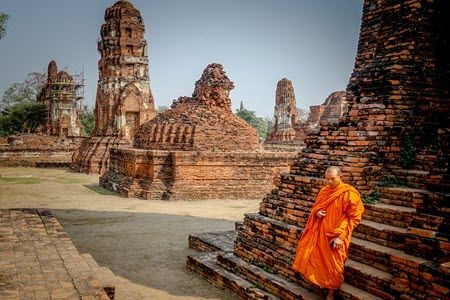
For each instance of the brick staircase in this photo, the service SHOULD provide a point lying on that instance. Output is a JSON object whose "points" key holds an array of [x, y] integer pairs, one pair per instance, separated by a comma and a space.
{"points": [[391, 256], [39, 261], [397, 107]]}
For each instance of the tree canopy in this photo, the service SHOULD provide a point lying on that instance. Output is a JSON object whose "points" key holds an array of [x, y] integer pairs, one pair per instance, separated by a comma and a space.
{"points": [[88, 120], [3, 20], [261, 125], [22, 118]]}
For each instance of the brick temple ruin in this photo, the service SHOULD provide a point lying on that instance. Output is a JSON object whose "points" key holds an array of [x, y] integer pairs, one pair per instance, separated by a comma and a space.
{"points": [[393, 145], [60, 134], [124, 98], [288, 132], [62, 96], [287, 129], [334, 107], [197, 149]]}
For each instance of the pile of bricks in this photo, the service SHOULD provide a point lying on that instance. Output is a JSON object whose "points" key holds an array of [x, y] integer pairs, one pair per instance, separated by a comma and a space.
{"points": [[198, 149], [203, 122], [40, 262], [124, 99], [399, 89]]}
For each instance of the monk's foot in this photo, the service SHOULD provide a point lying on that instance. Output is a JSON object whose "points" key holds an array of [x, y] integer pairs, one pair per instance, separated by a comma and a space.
{"points": [[330, 295]]}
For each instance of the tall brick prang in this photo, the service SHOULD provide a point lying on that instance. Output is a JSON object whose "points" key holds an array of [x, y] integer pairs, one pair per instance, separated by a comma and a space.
{"points": [[286, 126], [124, 98]]}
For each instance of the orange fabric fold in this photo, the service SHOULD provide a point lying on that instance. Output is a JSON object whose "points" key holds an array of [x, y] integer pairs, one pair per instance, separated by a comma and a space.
{"points": [[315, 259]]}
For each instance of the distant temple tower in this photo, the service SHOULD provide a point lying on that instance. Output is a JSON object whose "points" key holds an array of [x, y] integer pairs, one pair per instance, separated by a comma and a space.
{"points": [[62, 96], [286, 128], [124, 98]]}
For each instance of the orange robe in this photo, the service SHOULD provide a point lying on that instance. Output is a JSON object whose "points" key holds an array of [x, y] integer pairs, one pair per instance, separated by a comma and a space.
{"points": [[315, 259]]}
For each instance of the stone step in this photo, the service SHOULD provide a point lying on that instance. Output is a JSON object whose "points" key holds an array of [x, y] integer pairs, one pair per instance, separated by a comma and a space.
{"points": [[224, 241], [270, 282], [403, 196], [285, 209], [105, 275], [414, 178], [206, 266], [383, 234], [272, 243], [382, 257], [213, 241], [394, 215], [280, 286], [368, 278]]}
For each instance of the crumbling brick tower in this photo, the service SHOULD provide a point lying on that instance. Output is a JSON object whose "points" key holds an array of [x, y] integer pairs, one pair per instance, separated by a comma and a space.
{"points": [[286, 129], [124, 98], [334, 107], [392, 145], [60, 95]]}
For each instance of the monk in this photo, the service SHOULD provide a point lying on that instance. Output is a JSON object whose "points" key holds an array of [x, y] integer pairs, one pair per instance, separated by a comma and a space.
{"points": [[323, 246]]}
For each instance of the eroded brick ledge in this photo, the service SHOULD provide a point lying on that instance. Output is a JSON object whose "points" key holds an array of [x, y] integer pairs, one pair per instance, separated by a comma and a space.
{"points": [[39, 261]]}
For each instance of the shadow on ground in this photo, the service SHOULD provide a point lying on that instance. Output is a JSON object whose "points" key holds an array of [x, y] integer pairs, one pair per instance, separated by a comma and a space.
{"points": [[146, 248]]}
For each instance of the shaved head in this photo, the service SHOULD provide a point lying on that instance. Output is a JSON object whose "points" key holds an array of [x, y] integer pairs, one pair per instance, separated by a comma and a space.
{"points": [[333, 176], [334, 169]]}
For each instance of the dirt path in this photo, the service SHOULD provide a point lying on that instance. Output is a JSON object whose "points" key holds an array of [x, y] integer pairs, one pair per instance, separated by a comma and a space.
{"points": [[143, 242]]}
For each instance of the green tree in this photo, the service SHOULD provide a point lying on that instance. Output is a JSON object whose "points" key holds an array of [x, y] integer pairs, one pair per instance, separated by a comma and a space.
{"points": [[22, 118], [260, 124], [3, 20], [23, 92], [88, 120]]}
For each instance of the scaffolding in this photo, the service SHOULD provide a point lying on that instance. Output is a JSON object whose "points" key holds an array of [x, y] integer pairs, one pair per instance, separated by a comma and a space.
{"points": [[58, 94]]}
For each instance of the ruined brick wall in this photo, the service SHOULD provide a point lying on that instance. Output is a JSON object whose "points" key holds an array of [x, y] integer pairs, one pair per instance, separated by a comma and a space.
{"points": [[37, 150], [124, 98], [202, 122], [60, 96], [184, 175], [286, 129], [334, 107]]}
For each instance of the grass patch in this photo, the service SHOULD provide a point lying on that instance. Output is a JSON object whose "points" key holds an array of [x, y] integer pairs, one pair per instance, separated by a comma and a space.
{"points": [[71, 180], [392, 181], [20, 180], [372, 197]]}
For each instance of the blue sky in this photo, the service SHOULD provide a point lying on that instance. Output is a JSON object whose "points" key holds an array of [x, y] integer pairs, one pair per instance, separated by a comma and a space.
{"points": [[311, 42]]}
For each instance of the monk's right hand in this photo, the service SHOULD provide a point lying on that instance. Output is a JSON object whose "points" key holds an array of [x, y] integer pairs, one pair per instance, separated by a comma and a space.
{"points": [[321, 213]]}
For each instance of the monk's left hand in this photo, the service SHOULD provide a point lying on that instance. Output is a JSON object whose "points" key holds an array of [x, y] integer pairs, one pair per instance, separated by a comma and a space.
{"points": [[336, 243]]}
